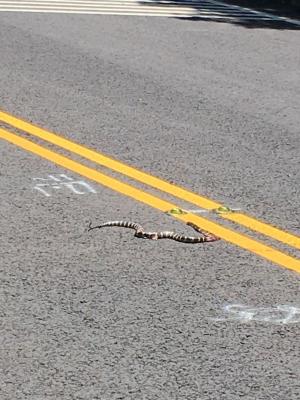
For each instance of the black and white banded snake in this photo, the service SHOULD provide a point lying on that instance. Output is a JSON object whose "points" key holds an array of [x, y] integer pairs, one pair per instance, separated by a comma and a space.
{"points": [[140, 232]]}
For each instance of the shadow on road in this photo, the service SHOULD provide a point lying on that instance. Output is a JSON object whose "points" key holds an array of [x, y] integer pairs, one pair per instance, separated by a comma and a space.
{"points": [[234, 14], [275, 7]]}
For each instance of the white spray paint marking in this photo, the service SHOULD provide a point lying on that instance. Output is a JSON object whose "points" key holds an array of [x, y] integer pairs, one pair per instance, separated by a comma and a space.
{"points": [[281, 314], [203, 211], [60, 181], [220, 210]]}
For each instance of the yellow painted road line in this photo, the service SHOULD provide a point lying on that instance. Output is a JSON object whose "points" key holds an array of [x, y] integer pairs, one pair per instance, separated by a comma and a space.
{"points": [[183, 194], [224, 233]]}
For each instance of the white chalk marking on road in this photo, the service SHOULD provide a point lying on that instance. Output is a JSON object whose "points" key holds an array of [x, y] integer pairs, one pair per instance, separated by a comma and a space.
{"points": [[203, 211], [60, 181], [280, 314], [221, 210]]}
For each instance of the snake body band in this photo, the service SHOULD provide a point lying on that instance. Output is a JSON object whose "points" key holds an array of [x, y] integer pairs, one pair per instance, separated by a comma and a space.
{"points": [[140, 232]]}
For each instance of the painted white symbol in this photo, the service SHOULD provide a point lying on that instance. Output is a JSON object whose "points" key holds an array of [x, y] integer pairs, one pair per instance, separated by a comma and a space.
{"points": [[60, 181], [281, 314]]}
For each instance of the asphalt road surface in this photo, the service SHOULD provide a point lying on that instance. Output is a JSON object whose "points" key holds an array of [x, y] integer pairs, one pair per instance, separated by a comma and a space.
{"points": [[213, 109]]}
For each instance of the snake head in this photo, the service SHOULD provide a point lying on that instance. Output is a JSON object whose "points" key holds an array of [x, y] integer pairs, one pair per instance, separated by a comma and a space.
{"points": [[210, 237]]}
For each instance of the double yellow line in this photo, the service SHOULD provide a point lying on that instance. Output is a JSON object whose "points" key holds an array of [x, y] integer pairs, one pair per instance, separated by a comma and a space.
{"points": [[227, 234]]}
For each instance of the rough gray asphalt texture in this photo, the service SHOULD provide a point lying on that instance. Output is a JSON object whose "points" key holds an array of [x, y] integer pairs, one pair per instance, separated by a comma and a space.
{"points": [[213, 107]]}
